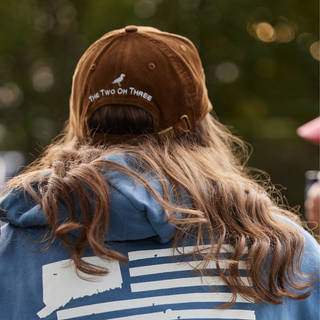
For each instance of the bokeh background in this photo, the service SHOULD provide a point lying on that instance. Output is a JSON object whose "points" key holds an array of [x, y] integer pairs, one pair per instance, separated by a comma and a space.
{"points": [[260, 58]]}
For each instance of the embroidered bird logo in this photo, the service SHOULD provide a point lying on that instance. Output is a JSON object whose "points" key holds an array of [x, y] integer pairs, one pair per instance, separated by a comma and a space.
{"points": [[119, 80]]}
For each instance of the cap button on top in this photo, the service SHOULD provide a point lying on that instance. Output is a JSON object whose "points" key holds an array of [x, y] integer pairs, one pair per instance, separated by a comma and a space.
{"points": [[131, 28]]}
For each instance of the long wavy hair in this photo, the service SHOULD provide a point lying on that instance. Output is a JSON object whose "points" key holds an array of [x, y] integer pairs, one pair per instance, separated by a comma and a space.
{"points": [[231, 204]]}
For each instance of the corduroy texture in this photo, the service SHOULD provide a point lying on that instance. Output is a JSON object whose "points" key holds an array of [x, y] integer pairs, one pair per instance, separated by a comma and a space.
{"points": [[145, 67]]}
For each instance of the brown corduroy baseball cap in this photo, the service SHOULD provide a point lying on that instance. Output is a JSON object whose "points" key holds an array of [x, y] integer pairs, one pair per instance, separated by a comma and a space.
{"points": [[157, 71]]}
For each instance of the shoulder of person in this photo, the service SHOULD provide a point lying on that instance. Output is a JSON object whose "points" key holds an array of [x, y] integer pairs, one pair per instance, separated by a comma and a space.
{"points": [[311, 255]]}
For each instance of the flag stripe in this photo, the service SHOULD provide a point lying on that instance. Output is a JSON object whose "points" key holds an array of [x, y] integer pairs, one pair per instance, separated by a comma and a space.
{"points": [[173, 267], [147, 302], [180, 283], [157, 253], [194, 314]]}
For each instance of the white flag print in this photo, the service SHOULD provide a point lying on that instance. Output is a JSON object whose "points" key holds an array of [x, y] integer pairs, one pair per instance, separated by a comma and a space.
{"points": [[158, 287]]}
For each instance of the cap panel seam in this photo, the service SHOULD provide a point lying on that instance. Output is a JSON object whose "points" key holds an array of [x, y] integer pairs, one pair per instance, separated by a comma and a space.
{"points": [[180, 67], [90, 78], [97, 44]]}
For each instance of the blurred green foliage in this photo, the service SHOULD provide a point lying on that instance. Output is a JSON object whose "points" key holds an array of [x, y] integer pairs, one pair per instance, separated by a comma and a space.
{"points": [[262, 75]]}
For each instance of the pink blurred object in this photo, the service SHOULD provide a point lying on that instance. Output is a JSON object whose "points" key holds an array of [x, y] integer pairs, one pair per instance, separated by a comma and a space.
{"points": [[310, 131]]}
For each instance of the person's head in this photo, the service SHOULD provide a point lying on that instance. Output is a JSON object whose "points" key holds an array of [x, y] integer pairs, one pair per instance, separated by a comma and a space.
{"points": [[142, 75]]}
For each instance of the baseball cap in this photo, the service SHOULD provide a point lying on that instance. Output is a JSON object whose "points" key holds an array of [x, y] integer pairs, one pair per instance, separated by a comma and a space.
{"points": [[157, 71]]}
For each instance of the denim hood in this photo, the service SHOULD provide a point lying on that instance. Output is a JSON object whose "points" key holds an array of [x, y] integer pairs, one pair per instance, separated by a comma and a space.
{"points": [[134, 213]]}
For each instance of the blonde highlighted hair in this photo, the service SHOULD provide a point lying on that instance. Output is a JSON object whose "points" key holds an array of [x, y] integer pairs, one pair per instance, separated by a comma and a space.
{"points": [[230, 203]]}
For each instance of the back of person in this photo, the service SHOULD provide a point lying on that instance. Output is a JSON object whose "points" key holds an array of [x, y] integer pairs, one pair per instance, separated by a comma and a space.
{"points": [[144, 209], [152, 285]]}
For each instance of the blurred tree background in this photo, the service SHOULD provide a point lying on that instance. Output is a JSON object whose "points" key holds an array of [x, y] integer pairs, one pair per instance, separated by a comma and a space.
{"points": [[260, 58]]}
